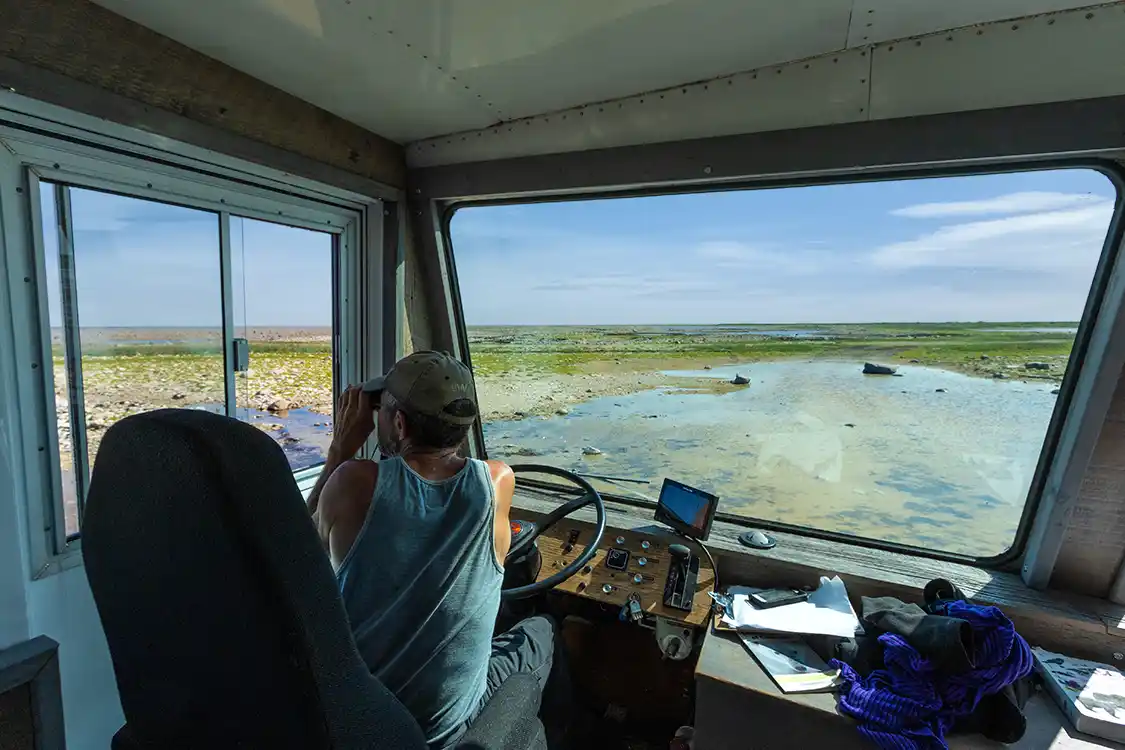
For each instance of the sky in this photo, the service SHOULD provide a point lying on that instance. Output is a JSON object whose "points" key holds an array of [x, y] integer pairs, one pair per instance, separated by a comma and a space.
{"points": [[142, 264], [1015, 247], [988, 247]]}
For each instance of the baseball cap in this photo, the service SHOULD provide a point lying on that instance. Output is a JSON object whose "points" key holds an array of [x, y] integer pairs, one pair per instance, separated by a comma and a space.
{"points": [[427, 383]]}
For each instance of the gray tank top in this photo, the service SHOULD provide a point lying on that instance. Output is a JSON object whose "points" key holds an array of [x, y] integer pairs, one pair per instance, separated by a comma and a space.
{"points": [[421, 587]]}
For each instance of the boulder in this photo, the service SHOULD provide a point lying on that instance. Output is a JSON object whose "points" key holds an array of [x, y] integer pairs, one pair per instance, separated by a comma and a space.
{"points": [[739, 380], [999, 376], [516, 450], [870, 368], [939, 390], [1037, 366], [590, 450], [280, 404], [562, 412]]}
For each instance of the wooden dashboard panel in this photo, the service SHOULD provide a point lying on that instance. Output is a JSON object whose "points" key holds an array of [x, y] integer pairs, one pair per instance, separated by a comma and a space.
{"points": [[654, 572]]}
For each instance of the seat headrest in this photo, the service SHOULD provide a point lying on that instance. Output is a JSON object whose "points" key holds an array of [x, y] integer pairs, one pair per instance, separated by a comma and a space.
{"points": [[219, 604]]}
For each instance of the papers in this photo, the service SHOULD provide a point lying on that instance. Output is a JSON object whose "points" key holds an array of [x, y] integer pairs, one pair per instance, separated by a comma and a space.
{"points": [[827, 612], [1092, 695], [791, 663]]}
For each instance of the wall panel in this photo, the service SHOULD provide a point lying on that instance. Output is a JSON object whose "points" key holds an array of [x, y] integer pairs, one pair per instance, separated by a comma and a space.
{"points": [[89, 44], [1094, 544]]}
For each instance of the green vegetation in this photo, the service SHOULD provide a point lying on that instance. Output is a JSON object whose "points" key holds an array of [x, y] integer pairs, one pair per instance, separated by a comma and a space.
{"points": [[975, 348]]}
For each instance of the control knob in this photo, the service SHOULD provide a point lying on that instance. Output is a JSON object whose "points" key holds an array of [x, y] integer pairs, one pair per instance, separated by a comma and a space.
{"points": [[645, 544], [642, 561], [638, 578], [607, 588], [680, 552]]}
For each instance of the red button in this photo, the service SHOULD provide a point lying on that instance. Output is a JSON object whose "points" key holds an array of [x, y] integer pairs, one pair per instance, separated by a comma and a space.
{"points": [[517, 527]]}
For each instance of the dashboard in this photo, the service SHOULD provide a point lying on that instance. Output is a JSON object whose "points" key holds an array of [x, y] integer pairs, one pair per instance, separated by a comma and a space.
{"points": [[628, 564]]}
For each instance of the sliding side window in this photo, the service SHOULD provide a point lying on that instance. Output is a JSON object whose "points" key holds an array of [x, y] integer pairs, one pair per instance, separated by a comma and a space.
{"points": [[136, 317], [282, 298], [150, 308]]}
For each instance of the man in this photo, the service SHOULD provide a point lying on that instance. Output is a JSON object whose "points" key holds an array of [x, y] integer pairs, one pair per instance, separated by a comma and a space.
{"points": [[418, 542]]}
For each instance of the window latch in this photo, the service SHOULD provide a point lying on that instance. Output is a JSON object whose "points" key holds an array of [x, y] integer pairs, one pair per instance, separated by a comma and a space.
{"points": [[241, 355]]}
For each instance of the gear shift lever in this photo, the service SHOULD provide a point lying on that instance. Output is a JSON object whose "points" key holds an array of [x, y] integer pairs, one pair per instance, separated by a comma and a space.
{"points": [[683, 572]]}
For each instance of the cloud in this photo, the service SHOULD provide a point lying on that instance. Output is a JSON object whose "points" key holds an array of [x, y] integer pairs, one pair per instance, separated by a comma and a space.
{"points": [[728, 251], [799, 258], [1012, 203], [1044, 241], [623, 283]]}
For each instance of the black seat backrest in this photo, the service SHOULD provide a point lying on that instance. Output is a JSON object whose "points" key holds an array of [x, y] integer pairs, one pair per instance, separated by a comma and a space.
{"points": [[218, 601]]}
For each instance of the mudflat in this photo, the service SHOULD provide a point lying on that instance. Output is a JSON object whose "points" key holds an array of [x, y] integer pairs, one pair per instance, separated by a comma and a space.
{"points": [[540, 378]]}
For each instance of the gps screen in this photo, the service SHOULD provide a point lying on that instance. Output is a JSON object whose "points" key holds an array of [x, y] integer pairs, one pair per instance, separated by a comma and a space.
{"points": [[686, 509]]}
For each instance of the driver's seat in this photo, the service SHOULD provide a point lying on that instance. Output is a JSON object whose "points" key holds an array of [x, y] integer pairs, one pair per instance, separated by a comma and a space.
{"points": [[220, 607]]}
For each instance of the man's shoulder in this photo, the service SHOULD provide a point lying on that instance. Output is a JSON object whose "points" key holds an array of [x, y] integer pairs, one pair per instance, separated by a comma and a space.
{"points": [[498, 469], [356, 474]]}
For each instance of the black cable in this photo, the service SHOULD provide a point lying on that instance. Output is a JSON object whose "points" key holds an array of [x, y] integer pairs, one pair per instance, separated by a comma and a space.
{"points": [[714, 568]]}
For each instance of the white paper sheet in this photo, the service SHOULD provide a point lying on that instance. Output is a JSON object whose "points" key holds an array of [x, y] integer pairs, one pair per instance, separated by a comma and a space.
{"points": [[827, 612]]}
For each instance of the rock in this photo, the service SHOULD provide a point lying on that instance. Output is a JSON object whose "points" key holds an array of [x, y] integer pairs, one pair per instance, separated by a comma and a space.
{"points": [[519, 414], [706, 367], [848, 424], [289, 440], [518, 450], [562, 412], [1037, 366], [1055, 392], [179, 396], [651, 416], [999, 376], [939, 390], [589, 390], [281, 404], [590, 450], [95, 425], [739, 380], [984, 356], [873, 369], [915, 361]]}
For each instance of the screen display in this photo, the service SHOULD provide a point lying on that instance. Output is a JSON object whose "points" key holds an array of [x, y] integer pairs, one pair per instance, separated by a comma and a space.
{"points": [[687, 509]]}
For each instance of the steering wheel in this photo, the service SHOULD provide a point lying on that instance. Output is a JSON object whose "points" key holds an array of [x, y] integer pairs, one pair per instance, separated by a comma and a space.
{"points": [[590, 495]]}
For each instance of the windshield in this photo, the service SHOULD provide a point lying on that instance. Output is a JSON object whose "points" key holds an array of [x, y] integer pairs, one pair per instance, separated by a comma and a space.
{"points": [[880, 360]]}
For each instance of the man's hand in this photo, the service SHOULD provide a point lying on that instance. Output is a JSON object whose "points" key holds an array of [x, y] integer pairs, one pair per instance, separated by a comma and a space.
{"points": [[352, 425]]}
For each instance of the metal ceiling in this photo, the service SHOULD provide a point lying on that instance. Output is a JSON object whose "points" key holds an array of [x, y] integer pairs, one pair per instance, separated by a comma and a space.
{"points": [[415, 69]]}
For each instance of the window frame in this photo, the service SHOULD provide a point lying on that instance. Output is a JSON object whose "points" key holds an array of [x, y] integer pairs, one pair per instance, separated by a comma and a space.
{"points": [[1064, 419], [222, 185]]}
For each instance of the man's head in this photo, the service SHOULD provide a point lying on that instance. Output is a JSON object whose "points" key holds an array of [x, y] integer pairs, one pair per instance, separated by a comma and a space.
{"points": [[426, 402]]}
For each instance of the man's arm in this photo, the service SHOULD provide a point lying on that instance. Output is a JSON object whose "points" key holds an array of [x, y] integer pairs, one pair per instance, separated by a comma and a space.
{"points": [[347, 498], [504, 484], [331, 463], [352, 425]]}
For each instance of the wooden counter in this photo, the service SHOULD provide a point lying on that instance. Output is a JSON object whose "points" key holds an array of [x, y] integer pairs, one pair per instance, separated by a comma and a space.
{"points": [[738, 706]]}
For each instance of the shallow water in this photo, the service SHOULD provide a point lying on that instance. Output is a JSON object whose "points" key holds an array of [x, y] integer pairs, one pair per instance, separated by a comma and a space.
{"points": [[1031, 329], [820, 444], [304, 436]]}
